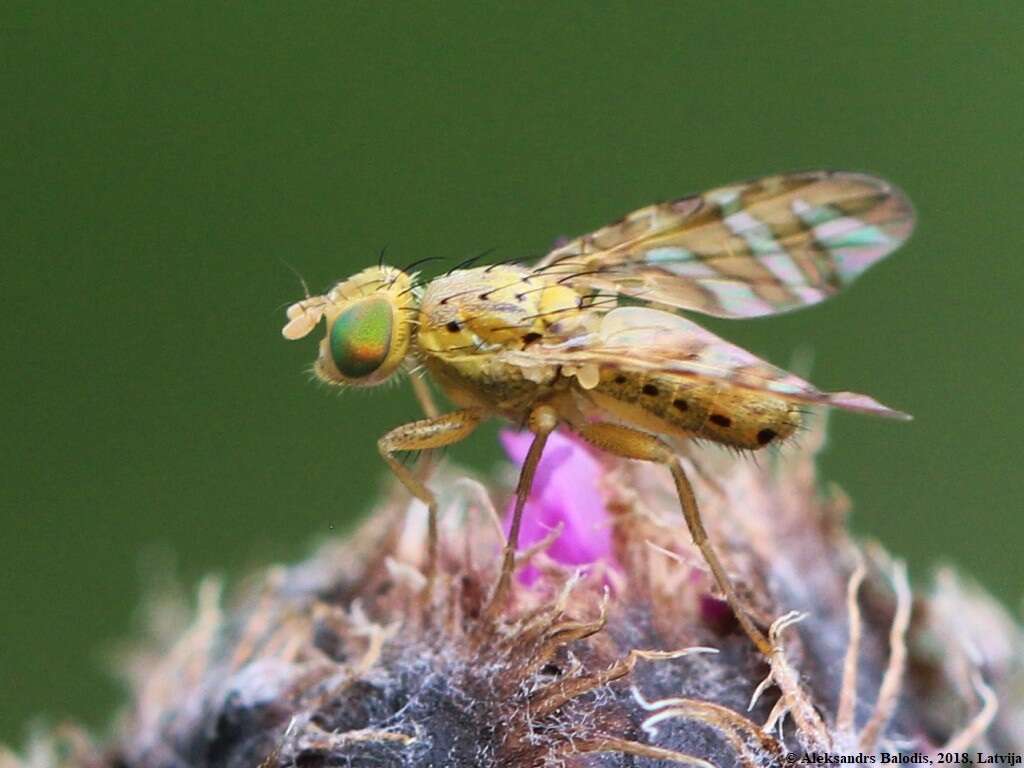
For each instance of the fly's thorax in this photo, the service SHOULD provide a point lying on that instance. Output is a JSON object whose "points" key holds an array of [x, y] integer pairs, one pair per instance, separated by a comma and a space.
{"points": [[503, 307], [487, 382], [733, 416], [468, 318], [368, 319]]}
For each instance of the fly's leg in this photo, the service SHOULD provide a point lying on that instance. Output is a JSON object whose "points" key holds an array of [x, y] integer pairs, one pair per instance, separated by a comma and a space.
{"points": [[542, 422], [421, 389], [633, 444], [421, 435], [425, 398]]}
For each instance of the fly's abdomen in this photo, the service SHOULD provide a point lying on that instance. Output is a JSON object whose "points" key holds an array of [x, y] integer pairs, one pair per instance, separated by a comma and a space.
{"points": [[732, 416]]}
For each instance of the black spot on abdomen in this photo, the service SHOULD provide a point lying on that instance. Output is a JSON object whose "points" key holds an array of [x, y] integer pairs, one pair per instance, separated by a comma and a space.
{"points": [[720, 420], [765, 436]]}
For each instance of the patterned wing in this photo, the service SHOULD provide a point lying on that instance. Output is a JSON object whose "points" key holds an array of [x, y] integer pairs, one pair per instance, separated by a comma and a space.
{"points": [[647, 340], [746, 250]]}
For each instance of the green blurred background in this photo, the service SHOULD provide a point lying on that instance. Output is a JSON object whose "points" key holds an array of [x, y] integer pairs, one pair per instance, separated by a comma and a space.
{"points": [[159, 164]]}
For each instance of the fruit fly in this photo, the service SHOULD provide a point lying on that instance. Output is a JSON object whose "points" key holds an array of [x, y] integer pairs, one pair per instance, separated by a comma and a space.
{"points": [[590, 336]]}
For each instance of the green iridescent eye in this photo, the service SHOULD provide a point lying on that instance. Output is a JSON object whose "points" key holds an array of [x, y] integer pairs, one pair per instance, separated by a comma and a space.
{"points": [[361, 338]]}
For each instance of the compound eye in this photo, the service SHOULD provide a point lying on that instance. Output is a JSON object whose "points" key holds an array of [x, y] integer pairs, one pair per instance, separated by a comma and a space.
{"points": [[361, 338]]}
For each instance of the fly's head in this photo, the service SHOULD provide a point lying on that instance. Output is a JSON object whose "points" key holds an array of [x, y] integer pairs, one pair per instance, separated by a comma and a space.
{"points": [[369, 320]]}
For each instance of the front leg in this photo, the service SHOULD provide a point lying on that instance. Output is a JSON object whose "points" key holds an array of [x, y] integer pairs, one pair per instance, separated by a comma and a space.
{"points": [[634, 444], [421, 435], [424, 396]]}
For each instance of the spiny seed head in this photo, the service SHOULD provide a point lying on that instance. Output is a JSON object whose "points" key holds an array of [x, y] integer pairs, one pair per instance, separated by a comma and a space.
{"points": [[614, 650]]}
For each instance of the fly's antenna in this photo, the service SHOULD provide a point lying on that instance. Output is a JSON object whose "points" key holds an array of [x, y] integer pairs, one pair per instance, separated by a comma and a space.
{"points": [[302, 280]]}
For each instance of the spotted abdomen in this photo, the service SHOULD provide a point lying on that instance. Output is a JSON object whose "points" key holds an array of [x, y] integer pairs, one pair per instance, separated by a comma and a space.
{"points": [[732, 416]]}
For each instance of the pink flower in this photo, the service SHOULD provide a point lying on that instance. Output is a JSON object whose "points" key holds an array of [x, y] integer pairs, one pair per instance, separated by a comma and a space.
{"points": [[565, 490]]}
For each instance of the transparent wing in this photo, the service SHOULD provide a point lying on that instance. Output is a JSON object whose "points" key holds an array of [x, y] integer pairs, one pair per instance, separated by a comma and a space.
{"points": [[745, 250], [644, 339]]}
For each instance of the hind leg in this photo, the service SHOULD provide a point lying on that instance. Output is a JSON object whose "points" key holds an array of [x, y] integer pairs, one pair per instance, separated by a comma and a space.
{"points": [[634, 444]]}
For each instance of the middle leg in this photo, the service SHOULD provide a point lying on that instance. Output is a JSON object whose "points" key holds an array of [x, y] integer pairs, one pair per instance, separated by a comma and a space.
{"points": [[542, 422]]}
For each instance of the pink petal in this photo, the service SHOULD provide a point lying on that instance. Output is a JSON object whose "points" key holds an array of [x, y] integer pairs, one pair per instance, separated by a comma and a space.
{"points": [[565, 491]]}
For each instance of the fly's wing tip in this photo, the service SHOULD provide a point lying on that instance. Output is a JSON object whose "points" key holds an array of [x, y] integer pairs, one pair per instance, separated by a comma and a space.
{"points": [[897, 213], [898, 415], [852, 401]]}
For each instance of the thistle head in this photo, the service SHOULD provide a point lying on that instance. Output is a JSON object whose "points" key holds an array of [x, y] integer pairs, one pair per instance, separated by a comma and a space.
{"points": [[613, 651], [369, 320]]}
